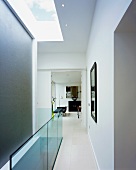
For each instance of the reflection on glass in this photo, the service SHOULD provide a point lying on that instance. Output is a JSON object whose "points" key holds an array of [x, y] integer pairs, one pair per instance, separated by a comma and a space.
{"points": [[59, 129], [40, 151], [93, 84], [52, 141], [33, 155]]}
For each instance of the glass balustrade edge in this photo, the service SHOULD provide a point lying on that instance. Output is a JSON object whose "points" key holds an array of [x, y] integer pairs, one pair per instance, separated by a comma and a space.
{"points": [[41, 148], [57, 153]]}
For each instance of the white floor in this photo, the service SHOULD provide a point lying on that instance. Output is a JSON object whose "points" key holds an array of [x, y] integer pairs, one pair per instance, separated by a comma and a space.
{"points": [[75, 152]]}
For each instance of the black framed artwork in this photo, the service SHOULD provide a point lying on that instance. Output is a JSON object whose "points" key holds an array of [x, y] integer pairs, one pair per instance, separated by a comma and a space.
{"points": [[93, 87]]}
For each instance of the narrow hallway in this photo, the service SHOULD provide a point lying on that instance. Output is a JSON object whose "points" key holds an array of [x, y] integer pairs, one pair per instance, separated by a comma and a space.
{"points": [[75, 152]]}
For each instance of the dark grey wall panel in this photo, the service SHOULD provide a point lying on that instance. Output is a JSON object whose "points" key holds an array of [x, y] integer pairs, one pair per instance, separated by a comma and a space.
{"points": [[15, 84]]}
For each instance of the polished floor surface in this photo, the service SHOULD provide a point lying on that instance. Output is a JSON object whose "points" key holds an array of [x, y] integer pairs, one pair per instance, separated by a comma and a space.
{"points": [[75, 152]]}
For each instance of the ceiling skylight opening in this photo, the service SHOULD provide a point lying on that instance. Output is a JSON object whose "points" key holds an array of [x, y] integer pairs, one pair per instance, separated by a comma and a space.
{"points": [[41, 16], [43, 10]]}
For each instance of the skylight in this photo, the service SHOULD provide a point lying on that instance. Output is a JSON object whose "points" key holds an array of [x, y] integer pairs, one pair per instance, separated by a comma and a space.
{"points": [[40, 17], [43, 10]]}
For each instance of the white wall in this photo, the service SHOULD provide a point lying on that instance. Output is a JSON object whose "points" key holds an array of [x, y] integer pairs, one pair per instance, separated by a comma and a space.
{"points": [[61, 61], [34, 82], [43, 112], [100, 50], [44, 89], [84, 98], [53, 94], [125, 100]]}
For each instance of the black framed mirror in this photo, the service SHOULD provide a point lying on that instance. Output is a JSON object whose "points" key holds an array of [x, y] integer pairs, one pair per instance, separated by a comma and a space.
{"points": [[93, 87]]}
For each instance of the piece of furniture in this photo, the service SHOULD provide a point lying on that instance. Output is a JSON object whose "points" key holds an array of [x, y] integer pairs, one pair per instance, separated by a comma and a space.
{"points": [[61, 109], [58, 110], [78, 110], [73, 106]]}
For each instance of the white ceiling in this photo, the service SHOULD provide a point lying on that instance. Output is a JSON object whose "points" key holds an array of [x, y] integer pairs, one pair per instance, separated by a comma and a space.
{"points": [[77, 14], [67, 77]]}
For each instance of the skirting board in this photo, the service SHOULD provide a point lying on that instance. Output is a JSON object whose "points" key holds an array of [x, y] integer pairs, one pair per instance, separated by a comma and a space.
{"points": [[94, 152]]}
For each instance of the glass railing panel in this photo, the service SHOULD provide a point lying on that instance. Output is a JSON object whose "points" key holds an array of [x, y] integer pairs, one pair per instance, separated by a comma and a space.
{"points": [[59, 129], [43, 115], [40, 151], [52, 141], [44, 149], [33, 154]]}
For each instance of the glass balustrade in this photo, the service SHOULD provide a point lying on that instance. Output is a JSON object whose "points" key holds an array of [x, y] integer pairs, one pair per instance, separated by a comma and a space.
{"points": [[39, 152]]}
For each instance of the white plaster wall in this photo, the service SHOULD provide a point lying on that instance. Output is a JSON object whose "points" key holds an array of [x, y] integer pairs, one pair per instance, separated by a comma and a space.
{"points": [[44, 89], [61, 61], [83, 98], [125, 100], [43, 111], [34, 81], [53, 94], [100, 50]]}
